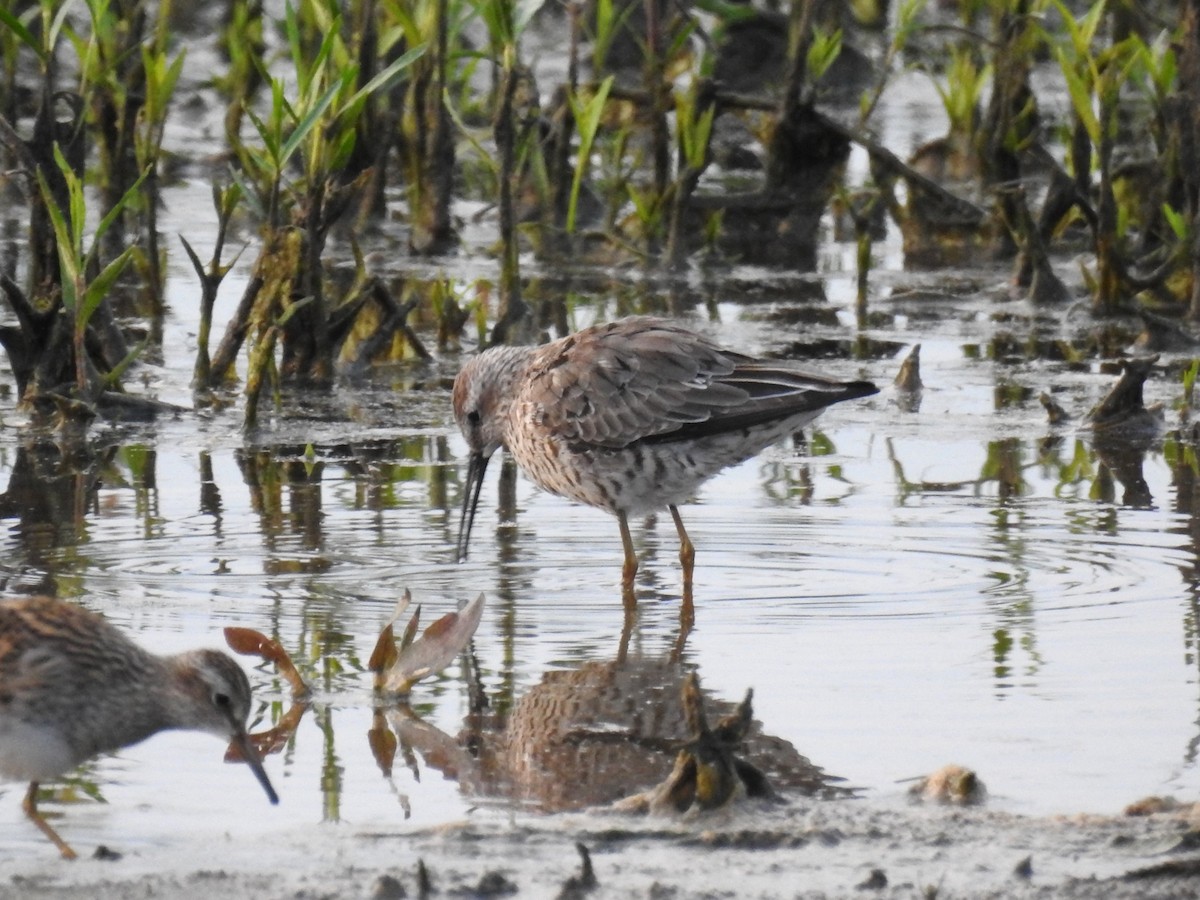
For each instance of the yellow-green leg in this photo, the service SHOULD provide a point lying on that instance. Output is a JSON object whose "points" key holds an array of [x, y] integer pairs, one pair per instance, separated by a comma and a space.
{"points": [[31, 810], [631, 564], [687, 558]]}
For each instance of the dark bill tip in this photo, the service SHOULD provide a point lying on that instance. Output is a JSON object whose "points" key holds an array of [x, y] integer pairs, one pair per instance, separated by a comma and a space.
{"points": [[475, 471], [251, 756]]}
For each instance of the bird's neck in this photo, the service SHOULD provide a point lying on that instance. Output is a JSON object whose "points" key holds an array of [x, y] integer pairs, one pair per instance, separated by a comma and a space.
{"points": [[183, 688], [507, 367], [508, 363], [136, 713]]}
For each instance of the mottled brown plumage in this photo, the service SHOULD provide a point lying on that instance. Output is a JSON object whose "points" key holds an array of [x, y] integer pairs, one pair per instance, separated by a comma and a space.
{"points": [[630, 417], [72, 686]]}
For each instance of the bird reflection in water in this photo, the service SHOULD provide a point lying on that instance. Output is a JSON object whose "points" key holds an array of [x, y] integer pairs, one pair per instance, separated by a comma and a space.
{"points": [[633, 731]]}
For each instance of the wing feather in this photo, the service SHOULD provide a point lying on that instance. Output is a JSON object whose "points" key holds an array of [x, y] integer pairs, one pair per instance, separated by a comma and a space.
{"points": [[643, 378], [639, 377]]}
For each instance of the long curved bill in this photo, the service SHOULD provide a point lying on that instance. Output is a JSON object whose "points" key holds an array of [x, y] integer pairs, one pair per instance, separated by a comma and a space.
{"points": [[475, 471], [251, 757]]}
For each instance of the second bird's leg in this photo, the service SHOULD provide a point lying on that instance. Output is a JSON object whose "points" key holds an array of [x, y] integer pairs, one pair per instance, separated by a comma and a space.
{"points": [[31, 810], [687, 558], [631, 564], [687, 552]]}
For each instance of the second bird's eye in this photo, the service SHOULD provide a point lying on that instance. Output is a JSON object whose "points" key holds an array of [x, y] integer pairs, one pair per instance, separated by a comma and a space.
{"points": [[473, 417]]}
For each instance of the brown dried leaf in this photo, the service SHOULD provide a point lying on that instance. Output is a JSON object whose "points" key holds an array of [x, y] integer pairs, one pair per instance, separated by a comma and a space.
{"points": [[249, 642], [273, 739], [384, 656], [383, 743], [410, 630], [440, 645]]}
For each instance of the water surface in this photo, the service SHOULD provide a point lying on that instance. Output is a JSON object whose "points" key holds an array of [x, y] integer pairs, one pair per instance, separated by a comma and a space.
{"points": [[901, 588]]}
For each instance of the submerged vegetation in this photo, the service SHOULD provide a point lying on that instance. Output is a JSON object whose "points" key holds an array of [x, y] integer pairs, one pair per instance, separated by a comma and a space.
{"points": [[675, 136]]}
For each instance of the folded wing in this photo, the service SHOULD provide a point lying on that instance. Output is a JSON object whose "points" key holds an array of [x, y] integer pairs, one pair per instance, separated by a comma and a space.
{"points": [[643, 378]]}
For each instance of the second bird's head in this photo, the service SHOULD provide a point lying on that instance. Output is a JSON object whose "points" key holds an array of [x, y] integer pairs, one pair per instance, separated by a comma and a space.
{"points": [[481, 393], [477, 397]]}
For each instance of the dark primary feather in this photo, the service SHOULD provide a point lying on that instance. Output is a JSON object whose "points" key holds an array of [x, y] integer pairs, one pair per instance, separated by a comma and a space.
{"points": [[770, 407], [649, 379]]}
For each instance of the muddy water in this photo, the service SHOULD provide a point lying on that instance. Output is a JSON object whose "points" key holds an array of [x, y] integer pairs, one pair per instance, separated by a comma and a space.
{"points": [[961, 582], [903, 589]]}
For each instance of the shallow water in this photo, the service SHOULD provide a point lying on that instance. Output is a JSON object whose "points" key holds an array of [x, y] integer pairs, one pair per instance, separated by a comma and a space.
{"points": [[961, 583]]}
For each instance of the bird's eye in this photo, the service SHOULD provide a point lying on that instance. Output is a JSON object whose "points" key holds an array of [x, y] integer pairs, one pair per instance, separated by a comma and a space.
{"points": [[473, 417], [221, 700]]}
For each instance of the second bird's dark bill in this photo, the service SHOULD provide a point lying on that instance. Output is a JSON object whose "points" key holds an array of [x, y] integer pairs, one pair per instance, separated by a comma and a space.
{"points": [[476, 469]]}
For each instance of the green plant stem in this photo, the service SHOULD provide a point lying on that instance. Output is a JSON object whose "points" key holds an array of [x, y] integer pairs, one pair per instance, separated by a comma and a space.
{"points": [[512, 307], [660, 101], [428, 146]]}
